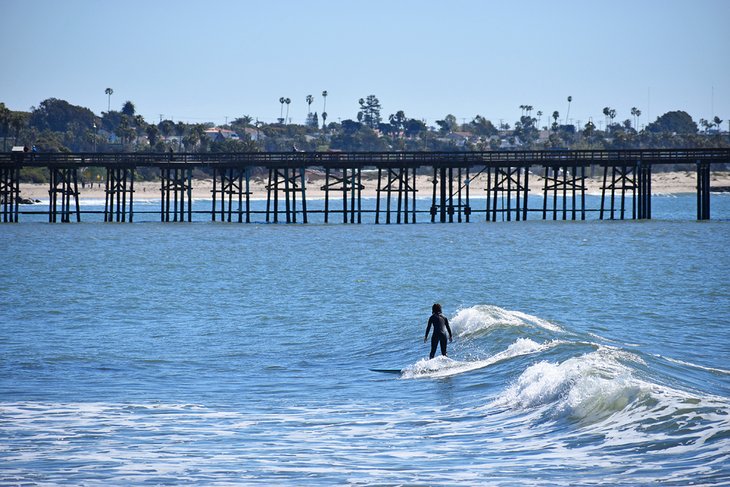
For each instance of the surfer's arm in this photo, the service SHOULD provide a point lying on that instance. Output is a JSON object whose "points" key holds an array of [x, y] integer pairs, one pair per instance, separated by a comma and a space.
{"points": [[428, 328], [448, 328]]}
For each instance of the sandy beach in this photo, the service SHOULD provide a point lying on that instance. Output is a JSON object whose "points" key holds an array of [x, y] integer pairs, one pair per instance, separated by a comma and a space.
{"points": [[662, 183]]}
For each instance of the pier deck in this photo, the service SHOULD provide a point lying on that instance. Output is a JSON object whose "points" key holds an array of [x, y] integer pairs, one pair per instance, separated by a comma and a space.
{"points": [[625, 191]]}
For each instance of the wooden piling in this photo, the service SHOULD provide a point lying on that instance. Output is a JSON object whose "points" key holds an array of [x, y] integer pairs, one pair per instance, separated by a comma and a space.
{"points": [[703, 190], [64, 187], [10, 193]]}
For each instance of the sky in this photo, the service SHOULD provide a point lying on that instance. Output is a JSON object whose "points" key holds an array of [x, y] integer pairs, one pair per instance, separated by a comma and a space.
{"points": [[202, 62]]}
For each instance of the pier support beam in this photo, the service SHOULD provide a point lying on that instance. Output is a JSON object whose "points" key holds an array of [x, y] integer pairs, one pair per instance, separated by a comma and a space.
{"points": [[231, 184], [347, 181], [703, 190], [119, 184], [177, 194], [9, 193], [643, 176], [512, 182], [450, 194], [623, 179], [289, 182], [402, 182], [568, 182], [64, 187]]}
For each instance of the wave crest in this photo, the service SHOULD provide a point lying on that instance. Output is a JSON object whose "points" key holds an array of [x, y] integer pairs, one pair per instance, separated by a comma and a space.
{"points": [[589, 387], [479, 318]]}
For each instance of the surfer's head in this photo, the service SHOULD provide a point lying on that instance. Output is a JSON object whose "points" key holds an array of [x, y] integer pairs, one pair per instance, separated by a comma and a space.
{"points": [[436, 308]]}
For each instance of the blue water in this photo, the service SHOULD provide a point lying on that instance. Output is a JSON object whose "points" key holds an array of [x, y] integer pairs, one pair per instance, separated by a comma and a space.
{"points": [[664, 207], [583, 353]]}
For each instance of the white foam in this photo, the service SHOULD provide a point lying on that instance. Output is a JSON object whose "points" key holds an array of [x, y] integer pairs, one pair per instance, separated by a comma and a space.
{"points": [[439, 367], [482, 317], [696, 366], [588, 387]]}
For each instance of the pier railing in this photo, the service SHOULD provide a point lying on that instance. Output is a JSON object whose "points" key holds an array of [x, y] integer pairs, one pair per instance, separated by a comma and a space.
{"points": [[626, 181]]}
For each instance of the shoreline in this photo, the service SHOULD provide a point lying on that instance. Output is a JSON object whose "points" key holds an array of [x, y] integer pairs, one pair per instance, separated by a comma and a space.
{"points": [[668, 183]]}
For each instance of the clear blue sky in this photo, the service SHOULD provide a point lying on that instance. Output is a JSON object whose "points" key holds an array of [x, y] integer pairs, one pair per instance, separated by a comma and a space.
{"points": [[205, 61]]}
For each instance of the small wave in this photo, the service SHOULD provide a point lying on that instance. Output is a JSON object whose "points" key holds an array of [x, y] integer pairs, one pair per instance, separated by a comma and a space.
{"points": [[695, 366], [591, 387], [479, 318], [586, 387], [439, 367]]}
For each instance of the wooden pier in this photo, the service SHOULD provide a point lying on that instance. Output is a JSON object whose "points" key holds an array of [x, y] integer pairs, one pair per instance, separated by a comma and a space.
{"points": [[500, 179]]}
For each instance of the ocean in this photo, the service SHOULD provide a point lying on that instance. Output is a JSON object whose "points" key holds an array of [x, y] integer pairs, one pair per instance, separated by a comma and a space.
{"points": [[584, 352]]}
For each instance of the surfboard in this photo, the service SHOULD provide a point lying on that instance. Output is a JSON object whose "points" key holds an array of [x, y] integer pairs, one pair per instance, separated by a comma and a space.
{"points": [[387, 371]]}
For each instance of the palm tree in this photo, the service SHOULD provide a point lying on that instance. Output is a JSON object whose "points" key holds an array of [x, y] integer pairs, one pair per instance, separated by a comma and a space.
{"points": [[606, 112], [570, 98], [633, 114], [324, 110], [109, 92], [556, 115], [281, 112], [287, 101], [179, 131], [539, 115], [638, 114], [310, 99]]}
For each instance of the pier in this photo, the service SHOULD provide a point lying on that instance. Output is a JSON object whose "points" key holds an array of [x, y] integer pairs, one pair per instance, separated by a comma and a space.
{"points": [[501, 179]]}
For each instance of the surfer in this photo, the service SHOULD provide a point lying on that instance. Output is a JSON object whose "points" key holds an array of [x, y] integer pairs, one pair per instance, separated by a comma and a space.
{"points": [[440, 327]]}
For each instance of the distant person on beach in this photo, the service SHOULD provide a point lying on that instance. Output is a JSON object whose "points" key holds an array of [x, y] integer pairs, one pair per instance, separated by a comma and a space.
{"points": [[440, 327]]}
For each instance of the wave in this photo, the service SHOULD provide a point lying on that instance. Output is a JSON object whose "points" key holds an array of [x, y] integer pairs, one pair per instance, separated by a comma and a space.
{"points": [[603, 388], [440, 367], [477, 319], [585, 387]]}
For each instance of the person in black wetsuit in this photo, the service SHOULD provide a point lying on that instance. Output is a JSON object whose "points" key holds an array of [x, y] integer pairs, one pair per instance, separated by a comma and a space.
{"points": [[440, 327]]}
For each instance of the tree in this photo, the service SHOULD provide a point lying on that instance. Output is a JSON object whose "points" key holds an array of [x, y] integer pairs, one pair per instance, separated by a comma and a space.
{"points": [[310, 99], [287, 101], [313, 120], [369, 113], [5, 124], [18, 120], [397, 122], [525, 129], [717, 121], [556, 115], [610, 114], [483, 127], [153, 134], [109, 93], [282, 100], [60, 116], [677, 122], [128, 109], [413, 127], [324, 109], [448, 124], [180, 128], [589, 129], [567, 115], [166, 127]]}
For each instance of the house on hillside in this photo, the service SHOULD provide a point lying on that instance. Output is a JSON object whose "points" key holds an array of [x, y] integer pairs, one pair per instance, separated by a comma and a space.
{"points": [[217, 134], [254, 134]]}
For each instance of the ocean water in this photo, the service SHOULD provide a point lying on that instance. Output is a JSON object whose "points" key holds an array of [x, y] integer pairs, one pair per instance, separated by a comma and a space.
{"points": [[664, 207], [225, 354]]}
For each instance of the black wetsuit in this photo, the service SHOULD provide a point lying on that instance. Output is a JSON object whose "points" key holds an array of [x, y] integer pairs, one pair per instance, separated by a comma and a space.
{"points": [[440, 328]]}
